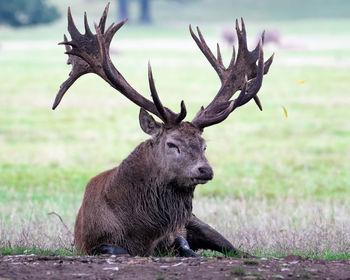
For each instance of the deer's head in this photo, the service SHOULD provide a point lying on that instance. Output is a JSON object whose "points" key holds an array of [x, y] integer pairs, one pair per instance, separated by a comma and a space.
{"points": [[179, 150], [178, 145]]}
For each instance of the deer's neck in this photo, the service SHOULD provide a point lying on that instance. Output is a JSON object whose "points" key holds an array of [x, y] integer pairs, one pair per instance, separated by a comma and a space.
{"points": [[140, 181], [140, 167]]}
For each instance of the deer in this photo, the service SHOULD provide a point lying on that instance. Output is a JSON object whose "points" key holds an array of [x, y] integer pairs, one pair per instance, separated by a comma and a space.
{"points": [[229, 36], [144, 205], [273, 36]]}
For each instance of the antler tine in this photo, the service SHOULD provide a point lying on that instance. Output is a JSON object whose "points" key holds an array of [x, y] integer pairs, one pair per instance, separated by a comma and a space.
{"points": [[268, 64], [258, 102], [219, 57], [263, 37], [66, 43], [103, 19], [86, 25], [242, 38], [167, 116], [243, 28], [155, 96], [237, 25], [63, 89], [72, 29], [79, 68], [219, 68], [254, 55], [233, 58], [182, 113], [112, 29]]}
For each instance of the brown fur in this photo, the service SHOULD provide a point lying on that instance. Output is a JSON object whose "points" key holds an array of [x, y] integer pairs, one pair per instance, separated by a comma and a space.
{"points": [[140, 203]]}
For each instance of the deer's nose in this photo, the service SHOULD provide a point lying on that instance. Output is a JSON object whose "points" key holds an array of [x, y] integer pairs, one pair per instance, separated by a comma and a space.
{"points": [[206, 172]]}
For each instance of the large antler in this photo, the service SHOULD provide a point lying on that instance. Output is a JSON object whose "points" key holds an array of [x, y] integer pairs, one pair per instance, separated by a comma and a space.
{"points": [[241, 74], [89, 53]]}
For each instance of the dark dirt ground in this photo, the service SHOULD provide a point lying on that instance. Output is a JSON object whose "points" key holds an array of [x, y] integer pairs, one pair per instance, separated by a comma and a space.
{"points": [[125, 267]]}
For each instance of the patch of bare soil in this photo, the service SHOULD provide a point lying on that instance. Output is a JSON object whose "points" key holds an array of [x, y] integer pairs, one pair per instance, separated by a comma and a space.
{"points": [[125, 267]]}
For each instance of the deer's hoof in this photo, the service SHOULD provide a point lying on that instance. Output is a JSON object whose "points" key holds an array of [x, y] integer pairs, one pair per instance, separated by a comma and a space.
{"points": [[187, 253]]}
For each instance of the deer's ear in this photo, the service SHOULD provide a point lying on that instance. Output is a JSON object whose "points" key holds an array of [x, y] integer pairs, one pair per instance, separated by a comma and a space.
{"points": [[148, 123]]}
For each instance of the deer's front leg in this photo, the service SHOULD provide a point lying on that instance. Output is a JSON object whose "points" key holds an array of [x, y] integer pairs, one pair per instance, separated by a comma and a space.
{"points": [[175, 243], [182, 246], [202, 236]]}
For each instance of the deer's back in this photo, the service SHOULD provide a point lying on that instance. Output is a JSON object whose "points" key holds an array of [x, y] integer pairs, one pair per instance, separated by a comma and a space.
{"points": [[94, 215]]}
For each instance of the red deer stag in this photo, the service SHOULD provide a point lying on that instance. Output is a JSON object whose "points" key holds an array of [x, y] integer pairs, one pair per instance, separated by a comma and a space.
{"points": [[145, 204]]}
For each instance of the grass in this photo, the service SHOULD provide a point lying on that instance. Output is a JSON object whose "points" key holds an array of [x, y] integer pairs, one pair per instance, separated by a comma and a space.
{"points": [[250, 262], [26, 251], [239, 271], [279, 182]]}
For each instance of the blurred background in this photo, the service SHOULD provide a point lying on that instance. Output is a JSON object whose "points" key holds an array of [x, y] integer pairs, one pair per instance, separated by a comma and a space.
{"points": [[281, 181]]}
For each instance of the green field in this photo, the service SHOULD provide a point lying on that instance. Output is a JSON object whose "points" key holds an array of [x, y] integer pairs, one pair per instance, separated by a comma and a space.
{"points": [[280, 182]]}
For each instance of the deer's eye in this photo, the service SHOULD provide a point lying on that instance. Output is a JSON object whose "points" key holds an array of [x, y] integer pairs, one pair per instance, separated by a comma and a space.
{"points": [[205, 147], [173, 146]]}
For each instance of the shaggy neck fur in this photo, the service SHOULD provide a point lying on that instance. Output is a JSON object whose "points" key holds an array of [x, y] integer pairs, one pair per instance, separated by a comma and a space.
{"points": [[160, 206]]}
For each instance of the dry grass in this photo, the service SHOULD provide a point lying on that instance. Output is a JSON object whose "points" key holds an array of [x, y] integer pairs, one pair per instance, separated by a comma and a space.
{"points": [[47, 234], [280, 227], [261, 227]]}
